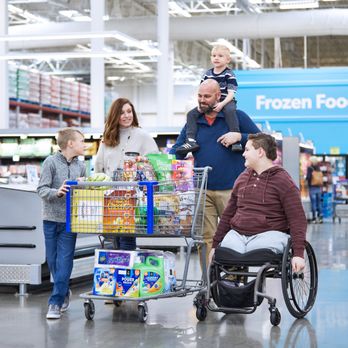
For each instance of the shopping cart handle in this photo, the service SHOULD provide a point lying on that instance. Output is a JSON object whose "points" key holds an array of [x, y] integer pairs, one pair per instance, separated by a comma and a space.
{"points": [[71, 182]]}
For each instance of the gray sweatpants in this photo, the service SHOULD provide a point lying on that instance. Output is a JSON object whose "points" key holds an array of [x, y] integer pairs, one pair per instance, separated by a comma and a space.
{"points": [[274, 240]]}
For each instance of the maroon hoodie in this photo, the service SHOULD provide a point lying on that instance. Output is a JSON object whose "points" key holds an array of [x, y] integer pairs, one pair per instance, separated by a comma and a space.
{"points": [[265, 202]]}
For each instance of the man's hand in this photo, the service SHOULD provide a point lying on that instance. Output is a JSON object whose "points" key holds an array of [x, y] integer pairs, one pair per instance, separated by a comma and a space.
{"points": [[62, 190], [211, 255], [218, 107], [298, 264], [230, 138]]}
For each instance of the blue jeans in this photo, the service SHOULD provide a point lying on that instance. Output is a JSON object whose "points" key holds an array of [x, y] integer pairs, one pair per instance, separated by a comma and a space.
{"points": [[315, 197], [127, 243], [60, 248]]}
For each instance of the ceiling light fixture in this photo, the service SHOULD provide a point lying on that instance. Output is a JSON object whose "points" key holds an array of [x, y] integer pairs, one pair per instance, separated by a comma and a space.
{"points": [[174, 8], [298, 4], [75, 55]]}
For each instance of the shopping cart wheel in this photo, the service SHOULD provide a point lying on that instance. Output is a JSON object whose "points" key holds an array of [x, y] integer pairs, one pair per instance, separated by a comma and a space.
{"points": [[201, 313], [117, 303], [142, 312], [89, 310]]}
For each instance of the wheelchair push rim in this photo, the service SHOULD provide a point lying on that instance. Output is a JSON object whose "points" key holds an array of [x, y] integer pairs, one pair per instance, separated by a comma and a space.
{"points": [[299, 290]]}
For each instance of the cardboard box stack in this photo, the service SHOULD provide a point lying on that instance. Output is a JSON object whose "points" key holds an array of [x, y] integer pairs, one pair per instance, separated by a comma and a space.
{"points": [[84, 97], [12, 81], [45, 90], [28, 84]]}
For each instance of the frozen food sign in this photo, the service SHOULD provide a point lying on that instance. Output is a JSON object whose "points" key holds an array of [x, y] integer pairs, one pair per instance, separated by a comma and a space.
{"points": [[319, 101]]}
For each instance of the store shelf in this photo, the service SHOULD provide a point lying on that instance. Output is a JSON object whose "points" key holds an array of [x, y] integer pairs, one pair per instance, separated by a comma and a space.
{"points": [[47, 112]]}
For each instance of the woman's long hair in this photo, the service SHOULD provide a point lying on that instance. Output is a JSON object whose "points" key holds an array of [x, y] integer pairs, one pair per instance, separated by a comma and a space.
{"points": [[111, 135]]}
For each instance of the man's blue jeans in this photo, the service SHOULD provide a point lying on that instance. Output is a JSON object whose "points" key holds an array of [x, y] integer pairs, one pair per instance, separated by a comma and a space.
{"points": [[60, 248]]}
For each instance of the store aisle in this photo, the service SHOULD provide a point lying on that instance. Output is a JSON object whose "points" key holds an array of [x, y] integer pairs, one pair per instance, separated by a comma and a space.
{"points": [[172, 322]]}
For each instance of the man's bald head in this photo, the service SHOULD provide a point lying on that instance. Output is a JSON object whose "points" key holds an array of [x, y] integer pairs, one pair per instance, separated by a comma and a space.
{"points": [[208, 95], [211, 84]]}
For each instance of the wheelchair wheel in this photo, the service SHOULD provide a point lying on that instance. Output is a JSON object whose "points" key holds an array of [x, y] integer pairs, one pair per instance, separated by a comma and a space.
{"points": [[299, 290]]}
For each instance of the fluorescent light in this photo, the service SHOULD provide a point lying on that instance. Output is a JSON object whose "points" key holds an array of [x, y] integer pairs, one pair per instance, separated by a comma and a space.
{"points": [[75, 15], [77, 35], [298, 4], [75, 55], [214, 2], [176, 9]]}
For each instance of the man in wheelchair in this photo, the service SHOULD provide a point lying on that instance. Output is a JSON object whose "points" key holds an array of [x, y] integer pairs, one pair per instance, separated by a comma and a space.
{"points": [[265, 207], [262, 226]]}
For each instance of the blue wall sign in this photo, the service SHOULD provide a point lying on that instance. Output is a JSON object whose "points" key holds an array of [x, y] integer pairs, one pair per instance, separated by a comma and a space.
{"points": [[313, 102]]}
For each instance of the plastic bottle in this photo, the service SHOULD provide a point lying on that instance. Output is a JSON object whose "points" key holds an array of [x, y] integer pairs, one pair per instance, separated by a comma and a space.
{"points": [[151, 275], [169, 271]]}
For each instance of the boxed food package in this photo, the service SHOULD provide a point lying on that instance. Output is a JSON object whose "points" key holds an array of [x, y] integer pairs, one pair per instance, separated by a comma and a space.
{"points": [[186, 211], [182, 174], [87, 211], [104, 281], [167, 213], [119, 207]]}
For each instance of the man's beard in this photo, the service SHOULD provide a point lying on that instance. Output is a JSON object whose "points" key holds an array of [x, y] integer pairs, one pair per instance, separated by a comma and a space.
{"points": [[206, 109]]}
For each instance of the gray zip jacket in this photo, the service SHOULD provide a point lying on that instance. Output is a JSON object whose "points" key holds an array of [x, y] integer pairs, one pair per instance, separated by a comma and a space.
{"points": [[55, 170]]}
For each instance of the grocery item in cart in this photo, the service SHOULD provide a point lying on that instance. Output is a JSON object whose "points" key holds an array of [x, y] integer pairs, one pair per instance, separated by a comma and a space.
{"points": [[119, 211], [114, 258], [104, 283], [169, 271], [127, 282], [151, 275], [87, 211], [162, 165], [186, 211], [182, 174]]}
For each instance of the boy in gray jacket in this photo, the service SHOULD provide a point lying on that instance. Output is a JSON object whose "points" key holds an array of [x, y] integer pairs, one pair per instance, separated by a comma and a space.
{"points": [[60, 245]]}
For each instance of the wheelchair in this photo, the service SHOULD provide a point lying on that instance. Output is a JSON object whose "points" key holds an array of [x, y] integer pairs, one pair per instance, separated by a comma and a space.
{"points": [[233, 286]]}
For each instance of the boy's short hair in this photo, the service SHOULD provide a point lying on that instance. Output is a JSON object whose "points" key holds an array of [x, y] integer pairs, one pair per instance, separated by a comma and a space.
{"points": [[220, 47], [66, 134], [266, 142]]}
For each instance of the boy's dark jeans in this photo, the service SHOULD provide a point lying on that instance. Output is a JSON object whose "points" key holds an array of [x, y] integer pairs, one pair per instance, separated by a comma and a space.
{"points": [[60, 248]]}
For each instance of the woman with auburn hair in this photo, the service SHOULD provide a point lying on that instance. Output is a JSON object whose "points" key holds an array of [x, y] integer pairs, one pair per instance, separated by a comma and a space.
{"points": [[122, 134]]}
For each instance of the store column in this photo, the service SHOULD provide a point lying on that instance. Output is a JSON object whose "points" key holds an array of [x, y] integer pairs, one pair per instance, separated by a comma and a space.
{"points": [[97, 66], [4, 105], [164, 67]]}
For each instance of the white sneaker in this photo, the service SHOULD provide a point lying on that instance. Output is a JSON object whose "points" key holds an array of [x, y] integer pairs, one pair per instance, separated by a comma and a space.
{"points": [[66, 302], [53, 312]]}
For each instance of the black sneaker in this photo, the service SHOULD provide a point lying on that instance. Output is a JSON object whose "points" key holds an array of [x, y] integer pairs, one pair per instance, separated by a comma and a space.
{"points": [[189, 146], [237, 147]]}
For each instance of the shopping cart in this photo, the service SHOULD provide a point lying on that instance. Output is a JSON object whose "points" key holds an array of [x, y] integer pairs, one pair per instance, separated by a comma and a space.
{"points": [[173, 207]]}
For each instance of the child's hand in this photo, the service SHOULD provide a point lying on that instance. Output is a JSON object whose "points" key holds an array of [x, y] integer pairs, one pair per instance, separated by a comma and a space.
{"points": [[218, 107], [62, 190]]}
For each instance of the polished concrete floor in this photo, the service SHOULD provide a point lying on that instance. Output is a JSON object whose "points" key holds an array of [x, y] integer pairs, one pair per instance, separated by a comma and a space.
{"points": [[172, 322]]}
